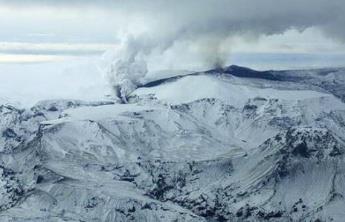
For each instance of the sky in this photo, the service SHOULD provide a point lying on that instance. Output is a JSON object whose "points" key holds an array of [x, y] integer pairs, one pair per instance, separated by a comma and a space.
{"points": [[58, 41], [49, 30]]}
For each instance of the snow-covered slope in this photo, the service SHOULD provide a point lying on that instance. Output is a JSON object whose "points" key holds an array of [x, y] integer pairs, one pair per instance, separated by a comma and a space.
{"points": [[224, 145]]}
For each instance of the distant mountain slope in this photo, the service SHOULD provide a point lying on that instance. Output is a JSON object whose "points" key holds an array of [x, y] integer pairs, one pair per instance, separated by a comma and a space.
{"points": [[329, 79]]}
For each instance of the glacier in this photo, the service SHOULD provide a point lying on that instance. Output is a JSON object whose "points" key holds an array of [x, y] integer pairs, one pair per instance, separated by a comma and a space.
{"points": [[230, 144]]}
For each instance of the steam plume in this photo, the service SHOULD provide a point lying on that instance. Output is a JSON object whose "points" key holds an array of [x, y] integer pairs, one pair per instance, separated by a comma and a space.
{"points": [[206, 26]]}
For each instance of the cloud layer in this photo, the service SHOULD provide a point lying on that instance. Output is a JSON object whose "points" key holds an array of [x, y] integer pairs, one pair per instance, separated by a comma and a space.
{"points": [[205, 27], [214, 17]]}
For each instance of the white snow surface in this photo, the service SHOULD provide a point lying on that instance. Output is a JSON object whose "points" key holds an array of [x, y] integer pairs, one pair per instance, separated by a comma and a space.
{"points": [[225, 88]]}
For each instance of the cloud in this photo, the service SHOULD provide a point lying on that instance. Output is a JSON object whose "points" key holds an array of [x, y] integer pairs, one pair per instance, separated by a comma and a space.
{"points": [[204, 27], [158, 25], [216, 17], [24, 48]]}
